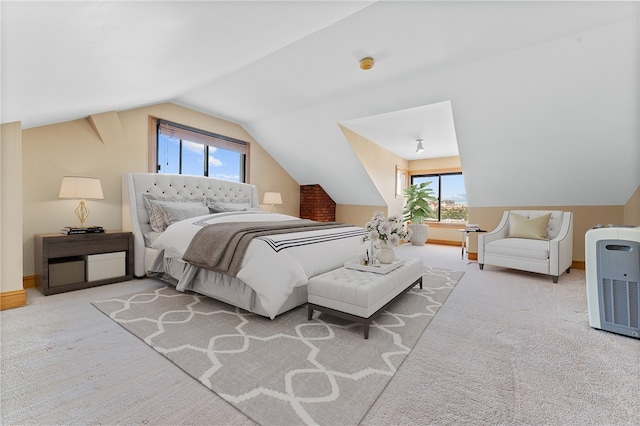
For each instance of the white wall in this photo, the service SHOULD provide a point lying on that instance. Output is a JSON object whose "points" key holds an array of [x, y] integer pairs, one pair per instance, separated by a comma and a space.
{"points": [[551, 124]]}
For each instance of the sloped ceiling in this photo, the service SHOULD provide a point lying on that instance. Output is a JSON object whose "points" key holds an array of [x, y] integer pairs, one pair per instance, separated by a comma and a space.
{"points": [[543, 96]]}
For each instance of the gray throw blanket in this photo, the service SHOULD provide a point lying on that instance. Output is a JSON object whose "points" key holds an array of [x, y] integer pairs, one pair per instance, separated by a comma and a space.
{"points": [[220, 247]]}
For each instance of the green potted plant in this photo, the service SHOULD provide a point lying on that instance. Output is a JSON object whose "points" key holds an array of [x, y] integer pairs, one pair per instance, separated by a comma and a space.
{"points": [[417, 209]]}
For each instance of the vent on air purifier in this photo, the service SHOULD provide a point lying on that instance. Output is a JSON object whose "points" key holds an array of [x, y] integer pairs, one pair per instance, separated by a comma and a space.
{"points": [[619, 286], [620, 303]]}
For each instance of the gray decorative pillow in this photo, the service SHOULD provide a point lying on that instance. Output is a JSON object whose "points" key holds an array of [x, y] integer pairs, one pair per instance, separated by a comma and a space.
{"points": [[160, 219], [182, 211], [239, 205], [156, 219]]}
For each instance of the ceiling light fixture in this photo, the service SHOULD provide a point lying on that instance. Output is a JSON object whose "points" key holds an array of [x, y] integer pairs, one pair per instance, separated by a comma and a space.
{"points": [[366, 63], [419, 147]]}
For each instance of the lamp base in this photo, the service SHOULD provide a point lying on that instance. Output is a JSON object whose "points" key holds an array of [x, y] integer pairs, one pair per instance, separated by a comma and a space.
{"points": [[82, 213]]}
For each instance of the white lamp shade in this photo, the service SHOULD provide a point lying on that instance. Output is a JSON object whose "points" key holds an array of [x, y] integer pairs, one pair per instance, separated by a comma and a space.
{"points": [[272, 198], [81, 188]]}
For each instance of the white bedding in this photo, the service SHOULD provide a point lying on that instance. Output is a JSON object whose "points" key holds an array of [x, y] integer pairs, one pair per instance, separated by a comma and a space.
{"points": [[273, 265]]}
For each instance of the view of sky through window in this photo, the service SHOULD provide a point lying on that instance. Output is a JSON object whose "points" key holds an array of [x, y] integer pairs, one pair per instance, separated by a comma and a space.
{"points": [[452, 187], [223, 164]]}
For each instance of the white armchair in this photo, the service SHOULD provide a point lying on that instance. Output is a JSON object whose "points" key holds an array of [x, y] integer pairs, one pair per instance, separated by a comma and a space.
{"points": [[522, 242]]}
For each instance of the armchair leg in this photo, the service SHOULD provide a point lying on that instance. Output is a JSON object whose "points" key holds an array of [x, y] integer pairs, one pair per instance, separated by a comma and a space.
{"points": [[481, 266], [555, 279]]}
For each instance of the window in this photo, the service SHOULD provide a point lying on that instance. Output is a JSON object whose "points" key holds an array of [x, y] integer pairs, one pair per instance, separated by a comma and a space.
{"points": [[451, 206], [184, 150], [401, 181]]}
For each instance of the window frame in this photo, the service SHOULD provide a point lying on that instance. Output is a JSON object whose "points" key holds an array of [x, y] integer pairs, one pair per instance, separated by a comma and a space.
{"points": [[439, 176], [211, 139]]}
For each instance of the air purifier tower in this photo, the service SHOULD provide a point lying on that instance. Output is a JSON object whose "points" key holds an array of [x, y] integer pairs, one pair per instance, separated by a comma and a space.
{"points": [[612, 257]]}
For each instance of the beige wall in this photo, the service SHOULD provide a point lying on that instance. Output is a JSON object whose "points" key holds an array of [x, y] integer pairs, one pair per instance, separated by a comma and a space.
{"points": [[381, 165], [435, 165], [75, 148], [356, 215], [631, 213], [10, 208]]}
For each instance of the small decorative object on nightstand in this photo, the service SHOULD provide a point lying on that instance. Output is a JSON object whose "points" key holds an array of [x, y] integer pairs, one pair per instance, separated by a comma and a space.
{"points": [[76, 261]]}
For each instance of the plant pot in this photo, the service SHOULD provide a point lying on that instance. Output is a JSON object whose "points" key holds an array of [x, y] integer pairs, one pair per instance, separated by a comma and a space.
{"points": [[386, 254], [419, 235]]}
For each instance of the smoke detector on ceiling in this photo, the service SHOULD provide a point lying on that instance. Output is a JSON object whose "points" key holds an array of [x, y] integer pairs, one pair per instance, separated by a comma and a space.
{"points": [[366, 63]]}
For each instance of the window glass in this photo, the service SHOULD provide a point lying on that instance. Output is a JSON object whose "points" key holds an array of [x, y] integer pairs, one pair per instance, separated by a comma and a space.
{"points": [[184, 150], [225, 164], [193, 158], [168, 155], [451, 203]]}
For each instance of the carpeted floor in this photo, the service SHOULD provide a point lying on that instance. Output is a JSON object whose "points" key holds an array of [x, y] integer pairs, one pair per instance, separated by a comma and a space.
{"points": [[290, 370], [506, 347]]}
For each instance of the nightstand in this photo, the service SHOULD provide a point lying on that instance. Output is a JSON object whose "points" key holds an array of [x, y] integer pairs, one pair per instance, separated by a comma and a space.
{"points": [[72, 262]]}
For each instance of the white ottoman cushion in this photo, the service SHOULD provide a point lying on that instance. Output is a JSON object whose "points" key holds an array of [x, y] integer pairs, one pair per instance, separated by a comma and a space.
{"points": [[362, 293]]}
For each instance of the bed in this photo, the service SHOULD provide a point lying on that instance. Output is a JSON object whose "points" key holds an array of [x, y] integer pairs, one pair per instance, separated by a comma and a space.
{"points": [[270, 274]]}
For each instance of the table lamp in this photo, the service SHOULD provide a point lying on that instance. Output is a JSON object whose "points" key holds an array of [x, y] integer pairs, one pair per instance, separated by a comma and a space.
{"points": [[81, 188], [272, 198]]}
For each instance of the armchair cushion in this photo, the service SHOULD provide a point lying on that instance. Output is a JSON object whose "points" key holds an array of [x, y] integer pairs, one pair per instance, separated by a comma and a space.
{"points": [[533, 228], [519, 247]]}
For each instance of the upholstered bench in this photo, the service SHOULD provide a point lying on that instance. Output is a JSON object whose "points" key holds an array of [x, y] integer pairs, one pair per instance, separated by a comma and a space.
{"points": [[360, 296]]}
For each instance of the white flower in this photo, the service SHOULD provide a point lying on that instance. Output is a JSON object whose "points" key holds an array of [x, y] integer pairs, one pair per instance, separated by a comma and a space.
{"points": [[385, 228], [389, 230]]}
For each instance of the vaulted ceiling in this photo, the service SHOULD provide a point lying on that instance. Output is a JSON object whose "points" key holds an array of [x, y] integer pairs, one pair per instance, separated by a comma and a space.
{"points": [[539, 99]]}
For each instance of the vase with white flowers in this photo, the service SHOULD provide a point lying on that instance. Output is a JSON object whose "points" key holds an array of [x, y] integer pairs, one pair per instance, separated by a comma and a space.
{"points": [[385, 234]]}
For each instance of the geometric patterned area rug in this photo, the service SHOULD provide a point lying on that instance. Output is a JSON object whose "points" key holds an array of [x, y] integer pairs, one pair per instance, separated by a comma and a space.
{"points": [[285, 371]]}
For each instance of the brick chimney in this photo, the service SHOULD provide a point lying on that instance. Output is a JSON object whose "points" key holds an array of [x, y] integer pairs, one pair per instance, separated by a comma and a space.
{"points": [[316, 205]]}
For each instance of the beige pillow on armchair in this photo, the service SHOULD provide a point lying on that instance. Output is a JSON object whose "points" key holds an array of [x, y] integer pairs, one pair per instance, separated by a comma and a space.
{"points": [[534, 228]]}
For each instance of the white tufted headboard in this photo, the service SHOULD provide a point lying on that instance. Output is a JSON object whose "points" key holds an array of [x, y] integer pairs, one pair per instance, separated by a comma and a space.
{"points": [[134, 214]]}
